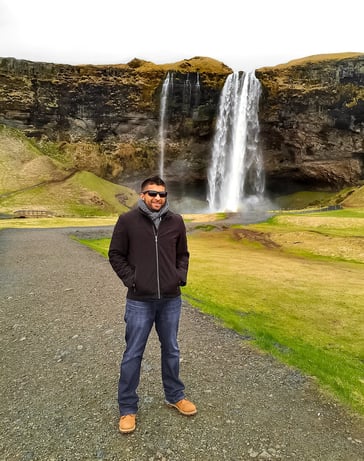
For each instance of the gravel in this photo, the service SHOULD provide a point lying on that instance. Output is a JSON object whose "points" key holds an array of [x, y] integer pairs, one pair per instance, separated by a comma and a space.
{"points": [[62, 335]]}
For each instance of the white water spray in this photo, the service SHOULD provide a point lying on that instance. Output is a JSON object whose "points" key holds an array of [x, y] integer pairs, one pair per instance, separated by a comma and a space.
{"points": [[168, 82], [197, 91], [236, 171]]}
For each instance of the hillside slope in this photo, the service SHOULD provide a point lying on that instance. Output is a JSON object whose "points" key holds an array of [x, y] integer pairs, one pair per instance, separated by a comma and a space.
{"points": [[30, 180]]}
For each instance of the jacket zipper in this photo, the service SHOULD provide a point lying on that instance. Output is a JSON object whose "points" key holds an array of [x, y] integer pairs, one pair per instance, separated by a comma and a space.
{"points": [[157, 261]]}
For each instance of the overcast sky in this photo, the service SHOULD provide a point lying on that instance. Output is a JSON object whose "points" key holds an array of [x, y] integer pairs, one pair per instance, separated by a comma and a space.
{"points": [[244, 34]]}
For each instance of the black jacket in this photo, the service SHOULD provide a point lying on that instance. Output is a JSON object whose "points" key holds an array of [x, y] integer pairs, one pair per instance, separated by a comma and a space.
{"points": [[152, 263]]}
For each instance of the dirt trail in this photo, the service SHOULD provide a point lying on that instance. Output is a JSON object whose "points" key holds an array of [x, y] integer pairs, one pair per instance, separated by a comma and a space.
{"points": [[61, 310]]}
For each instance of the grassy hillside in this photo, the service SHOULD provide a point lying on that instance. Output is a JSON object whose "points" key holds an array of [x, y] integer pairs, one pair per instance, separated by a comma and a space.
{"points": [[83, 194], [355, 198], [352, 197], [31, 180], [22, 165]]}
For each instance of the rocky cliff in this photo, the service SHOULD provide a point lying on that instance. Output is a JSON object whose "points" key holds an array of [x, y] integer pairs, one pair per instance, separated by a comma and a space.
{"points": [[312, 122], [108, 118]]}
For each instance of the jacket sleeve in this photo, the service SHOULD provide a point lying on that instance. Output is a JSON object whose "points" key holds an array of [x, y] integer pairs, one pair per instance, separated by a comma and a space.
{"points": [[118, 254], [182, 256]]}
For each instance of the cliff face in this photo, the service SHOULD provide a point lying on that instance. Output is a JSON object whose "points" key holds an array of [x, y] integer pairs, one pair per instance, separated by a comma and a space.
{"points": [[108, 118], [312, 122]]}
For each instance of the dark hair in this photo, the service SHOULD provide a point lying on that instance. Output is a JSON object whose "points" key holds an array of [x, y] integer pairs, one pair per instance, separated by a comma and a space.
{"points": [[158, 181]]}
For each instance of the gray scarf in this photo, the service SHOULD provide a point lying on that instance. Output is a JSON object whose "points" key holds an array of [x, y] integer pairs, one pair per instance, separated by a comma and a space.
{"points": [[155, 216]]}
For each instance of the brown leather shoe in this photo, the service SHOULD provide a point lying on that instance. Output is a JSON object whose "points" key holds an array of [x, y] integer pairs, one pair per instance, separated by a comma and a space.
{"points": [[184, 406], [127, 424]]}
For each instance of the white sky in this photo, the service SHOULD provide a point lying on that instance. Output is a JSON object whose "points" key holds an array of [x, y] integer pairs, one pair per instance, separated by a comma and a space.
{"points": [[244, 34]]}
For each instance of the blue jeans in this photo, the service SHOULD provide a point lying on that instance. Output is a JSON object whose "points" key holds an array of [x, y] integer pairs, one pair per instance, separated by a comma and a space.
{"points": [[139, 318]]}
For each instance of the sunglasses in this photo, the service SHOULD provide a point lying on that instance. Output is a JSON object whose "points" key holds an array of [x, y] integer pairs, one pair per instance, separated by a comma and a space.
{"points": [[154, 193]]}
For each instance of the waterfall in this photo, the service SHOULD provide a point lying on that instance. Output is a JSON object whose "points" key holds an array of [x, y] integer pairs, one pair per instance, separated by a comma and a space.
{"points": [[236, 171], [186, 97], [197, 91], [168, 82], [181, 94]]}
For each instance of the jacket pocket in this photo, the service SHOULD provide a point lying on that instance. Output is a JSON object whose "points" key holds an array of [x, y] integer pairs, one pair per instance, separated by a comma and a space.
{"points": [[129, 281], [145, 282]]}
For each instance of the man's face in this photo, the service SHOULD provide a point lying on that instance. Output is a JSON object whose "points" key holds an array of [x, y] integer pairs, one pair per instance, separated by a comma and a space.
{"points": [[153, 203]]}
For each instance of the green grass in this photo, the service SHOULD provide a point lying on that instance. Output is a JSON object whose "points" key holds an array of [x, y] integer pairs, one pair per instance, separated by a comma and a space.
{"points": [[306, 312], [206, 227], [99, 245], [332, 223], [345, 213], [303, 199]]}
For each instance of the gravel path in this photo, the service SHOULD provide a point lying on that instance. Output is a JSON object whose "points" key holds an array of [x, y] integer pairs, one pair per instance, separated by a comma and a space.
{"points": [[61, 340]]}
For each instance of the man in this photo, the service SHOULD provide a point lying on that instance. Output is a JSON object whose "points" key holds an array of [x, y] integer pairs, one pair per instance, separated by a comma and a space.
{"points": [[148, 251]]}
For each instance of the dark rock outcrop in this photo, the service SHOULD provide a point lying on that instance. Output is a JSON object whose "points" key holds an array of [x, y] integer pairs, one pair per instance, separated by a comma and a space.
{"points": [[312, 122]]}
